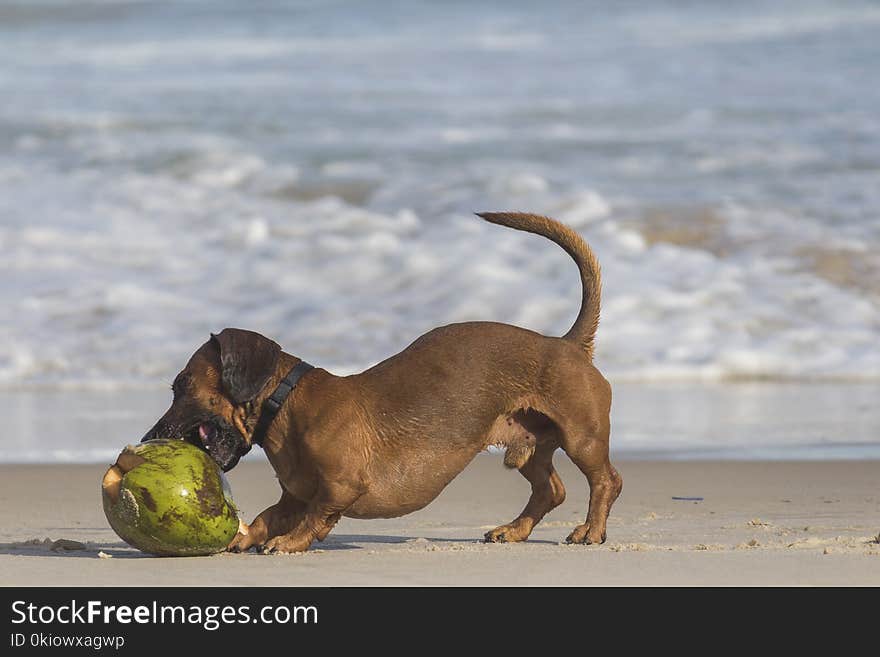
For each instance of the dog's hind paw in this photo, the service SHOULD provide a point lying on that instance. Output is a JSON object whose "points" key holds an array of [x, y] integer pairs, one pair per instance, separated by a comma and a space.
{"points": [[513, 533], [493, 537], [584, 535]]}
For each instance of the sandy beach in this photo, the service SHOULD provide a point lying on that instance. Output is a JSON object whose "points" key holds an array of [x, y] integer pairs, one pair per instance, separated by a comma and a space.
{"points": [[759, 523]]}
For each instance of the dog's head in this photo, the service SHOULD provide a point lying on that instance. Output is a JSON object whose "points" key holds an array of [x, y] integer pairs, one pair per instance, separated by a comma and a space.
{"points": [[214, 396]]}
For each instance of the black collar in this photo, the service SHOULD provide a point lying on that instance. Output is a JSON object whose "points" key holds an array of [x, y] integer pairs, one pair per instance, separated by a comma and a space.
{"points": [[276, 400]]}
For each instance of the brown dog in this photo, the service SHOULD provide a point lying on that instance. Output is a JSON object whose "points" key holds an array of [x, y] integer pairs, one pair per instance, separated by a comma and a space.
{"points": [[385, 442]]}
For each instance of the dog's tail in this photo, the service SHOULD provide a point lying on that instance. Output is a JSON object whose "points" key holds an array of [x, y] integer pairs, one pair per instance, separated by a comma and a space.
{"points": [[584, 328]]}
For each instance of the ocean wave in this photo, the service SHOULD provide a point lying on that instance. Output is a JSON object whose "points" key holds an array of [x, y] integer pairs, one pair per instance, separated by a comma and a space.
{"points": [[346, 286], [168, 171], [665, 30]]}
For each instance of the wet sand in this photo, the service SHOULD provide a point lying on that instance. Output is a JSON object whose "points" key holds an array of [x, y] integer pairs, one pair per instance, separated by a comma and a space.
{"points": [[759, 523]]}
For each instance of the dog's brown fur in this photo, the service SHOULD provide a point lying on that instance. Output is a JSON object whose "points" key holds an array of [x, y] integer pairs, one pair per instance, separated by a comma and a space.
{"points": [[385, 442]]}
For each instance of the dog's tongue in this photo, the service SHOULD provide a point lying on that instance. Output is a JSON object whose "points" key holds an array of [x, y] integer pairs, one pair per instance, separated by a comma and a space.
{"points": [[206, 432]]}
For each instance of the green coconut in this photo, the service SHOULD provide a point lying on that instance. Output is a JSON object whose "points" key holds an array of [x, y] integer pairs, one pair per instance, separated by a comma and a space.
{"points": [[169, 498]]}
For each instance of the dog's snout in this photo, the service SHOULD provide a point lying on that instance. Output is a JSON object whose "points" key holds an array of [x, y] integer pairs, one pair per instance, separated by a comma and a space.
{"points": [[159, 429]]}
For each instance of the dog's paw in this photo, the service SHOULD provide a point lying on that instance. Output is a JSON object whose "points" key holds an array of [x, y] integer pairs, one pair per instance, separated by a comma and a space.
{"points": [[247, 537], [585, 535], [286, 544], [241, 543], [511, 533]]}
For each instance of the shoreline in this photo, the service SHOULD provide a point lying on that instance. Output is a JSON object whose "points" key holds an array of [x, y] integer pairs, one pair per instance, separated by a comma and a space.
{"points": [[649, 422], [759, 523]]}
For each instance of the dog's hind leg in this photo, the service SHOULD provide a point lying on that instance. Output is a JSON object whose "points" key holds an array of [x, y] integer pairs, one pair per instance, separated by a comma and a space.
{"points": [[547, 493], [590, 454]]}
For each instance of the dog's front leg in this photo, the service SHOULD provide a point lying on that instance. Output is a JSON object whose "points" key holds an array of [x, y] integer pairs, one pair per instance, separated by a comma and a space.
{"points": [[318, 519], [277, 520]]}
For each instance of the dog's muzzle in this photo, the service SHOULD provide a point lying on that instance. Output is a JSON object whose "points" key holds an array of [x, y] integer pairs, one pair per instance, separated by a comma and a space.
{"points": [[223, 443]]}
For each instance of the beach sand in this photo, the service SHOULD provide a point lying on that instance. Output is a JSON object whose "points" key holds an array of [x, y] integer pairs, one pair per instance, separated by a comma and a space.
{"points": [[759, 523]]}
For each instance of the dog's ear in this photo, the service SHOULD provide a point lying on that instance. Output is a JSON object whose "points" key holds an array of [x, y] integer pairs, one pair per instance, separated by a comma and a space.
{"points": [[247, 362]]}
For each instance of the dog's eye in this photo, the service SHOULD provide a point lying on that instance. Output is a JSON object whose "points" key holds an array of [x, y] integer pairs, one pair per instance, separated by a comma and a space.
{"points": [[178, 386]]}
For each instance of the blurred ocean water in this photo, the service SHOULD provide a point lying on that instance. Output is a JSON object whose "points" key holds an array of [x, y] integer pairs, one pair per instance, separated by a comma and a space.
{"points": [[308, 170], [656, 421]]}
